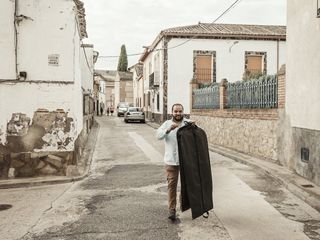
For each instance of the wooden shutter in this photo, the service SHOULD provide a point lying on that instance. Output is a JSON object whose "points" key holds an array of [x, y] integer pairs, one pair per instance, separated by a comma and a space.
{"points": [[204, 68], [254, 64]]}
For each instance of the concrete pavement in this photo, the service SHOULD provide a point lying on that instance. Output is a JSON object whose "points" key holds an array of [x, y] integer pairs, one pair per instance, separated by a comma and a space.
{"points": [[124, 197], [299, 186]]}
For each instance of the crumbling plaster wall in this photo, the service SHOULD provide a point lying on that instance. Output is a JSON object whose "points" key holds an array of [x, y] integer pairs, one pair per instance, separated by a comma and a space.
{"points": [[26, 98], [39, 119]]}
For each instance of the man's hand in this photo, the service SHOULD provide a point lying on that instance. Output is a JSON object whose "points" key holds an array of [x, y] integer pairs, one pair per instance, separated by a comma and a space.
{"points": [[172, 127]]}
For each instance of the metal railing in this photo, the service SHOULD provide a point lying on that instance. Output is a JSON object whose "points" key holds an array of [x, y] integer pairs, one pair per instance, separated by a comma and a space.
{"points": [[207, 98], [258, 93]]}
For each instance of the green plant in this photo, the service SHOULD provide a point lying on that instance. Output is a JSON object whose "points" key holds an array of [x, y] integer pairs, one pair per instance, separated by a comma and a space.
{"points": [[123, 60], [251, 75]]}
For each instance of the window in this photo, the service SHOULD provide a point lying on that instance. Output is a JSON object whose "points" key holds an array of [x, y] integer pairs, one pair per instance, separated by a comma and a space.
{"points": [[255, 63], [204, 66], [149, 99], [150, 68], [133, 109], [158, 102], [156, 70]]}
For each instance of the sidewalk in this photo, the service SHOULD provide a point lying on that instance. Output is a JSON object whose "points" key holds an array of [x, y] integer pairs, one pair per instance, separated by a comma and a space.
{"points": [[83, 166], [299, 186]]}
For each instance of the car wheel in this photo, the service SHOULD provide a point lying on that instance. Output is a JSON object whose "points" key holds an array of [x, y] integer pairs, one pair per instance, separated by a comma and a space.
{"points": [[126, 121], [143, 121]]}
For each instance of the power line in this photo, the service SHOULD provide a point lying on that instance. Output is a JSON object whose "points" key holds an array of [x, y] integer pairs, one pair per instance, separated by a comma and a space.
{"points": [[220, 16], [180, 44]]}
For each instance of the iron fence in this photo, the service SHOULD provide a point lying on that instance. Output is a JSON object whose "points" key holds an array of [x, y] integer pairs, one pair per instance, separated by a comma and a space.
{"points": [[206, 98], [258, 93]]}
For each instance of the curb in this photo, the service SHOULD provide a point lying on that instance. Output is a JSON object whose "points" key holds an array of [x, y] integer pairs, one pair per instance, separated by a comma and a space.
{"points": [[87, 154], [152, 124], [291, 181]]}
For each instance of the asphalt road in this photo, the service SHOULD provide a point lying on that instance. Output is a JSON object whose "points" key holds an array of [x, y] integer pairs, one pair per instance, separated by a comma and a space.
{"points": [[125, 198]]}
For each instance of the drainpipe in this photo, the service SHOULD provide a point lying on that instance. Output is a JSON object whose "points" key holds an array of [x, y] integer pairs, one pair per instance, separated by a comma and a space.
{"points": [[16, 36], [277, 55]]}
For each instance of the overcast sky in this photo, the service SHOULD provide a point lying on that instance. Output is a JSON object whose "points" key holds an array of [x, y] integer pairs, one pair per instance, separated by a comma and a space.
{"points": [[136, 23]]}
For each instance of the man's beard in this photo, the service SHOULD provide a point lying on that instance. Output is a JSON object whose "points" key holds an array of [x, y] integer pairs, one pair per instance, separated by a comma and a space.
{"points": [[178, 118]]}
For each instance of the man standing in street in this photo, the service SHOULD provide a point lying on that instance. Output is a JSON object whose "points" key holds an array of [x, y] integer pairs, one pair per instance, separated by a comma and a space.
{"points": [[168, 131]]}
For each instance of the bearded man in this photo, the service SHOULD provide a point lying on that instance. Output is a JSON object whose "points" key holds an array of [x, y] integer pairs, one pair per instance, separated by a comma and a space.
{"points": [[168, 132]]}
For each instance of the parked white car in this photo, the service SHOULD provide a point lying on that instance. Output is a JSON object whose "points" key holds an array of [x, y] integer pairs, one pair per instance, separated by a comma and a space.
{"points": [[134, 114]]}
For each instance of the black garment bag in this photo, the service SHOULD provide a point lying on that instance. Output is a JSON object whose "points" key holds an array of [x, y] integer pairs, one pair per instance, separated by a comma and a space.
{"points": [[195, 170]]}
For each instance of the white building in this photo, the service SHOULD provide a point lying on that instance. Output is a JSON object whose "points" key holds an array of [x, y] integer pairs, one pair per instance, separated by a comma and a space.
{"points": [[301, 143], [123, 88], [107, 80], [44, 76], [88, 57], [138, 84], [206, 53]]}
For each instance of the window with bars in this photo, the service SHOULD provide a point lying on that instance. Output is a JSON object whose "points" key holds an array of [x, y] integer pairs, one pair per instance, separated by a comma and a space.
{"points": [[254, 64], [204, 66]]}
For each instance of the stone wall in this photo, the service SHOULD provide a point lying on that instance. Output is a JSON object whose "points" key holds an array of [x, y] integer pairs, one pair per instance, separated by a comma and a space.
{"points": [[256, 137]]}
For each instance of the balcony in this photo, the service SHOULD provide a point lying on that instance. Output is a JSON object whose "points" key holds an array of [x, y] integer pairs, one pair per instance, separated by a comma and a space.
{"points": [[154, 80]]}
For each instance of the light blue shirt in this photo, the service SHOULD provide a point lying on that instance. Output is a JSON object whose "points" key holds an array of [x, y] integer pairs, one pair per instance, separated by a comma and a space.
{"points": [[171, 155]]}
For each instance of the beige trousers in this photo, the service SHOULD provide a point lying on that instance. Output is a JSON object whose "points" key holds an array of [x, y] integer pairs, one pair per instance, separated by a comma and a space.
{"points": [[172, 179]]}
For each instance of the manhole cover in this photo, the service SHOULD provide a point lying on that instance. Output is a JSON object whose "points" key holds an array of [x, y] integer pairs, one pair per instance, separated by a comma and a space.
{"points": [[307, 185], [5, 207]]}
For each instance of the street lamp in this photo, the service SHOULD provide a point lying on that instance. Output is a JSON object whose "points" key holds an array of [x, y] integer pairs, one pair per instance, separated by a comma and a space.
{"points": [[95, 56]]}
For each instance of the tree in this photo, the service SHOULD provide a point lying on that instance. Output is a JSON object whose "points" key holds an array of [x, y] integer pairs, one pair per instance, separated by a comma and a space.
{"points": [[123, 60]]}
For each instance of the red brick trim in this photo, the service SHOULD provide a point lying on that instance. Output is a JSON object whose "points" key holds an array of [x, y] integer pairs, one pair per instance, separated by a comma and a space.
{"points": [[261, 114]]}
